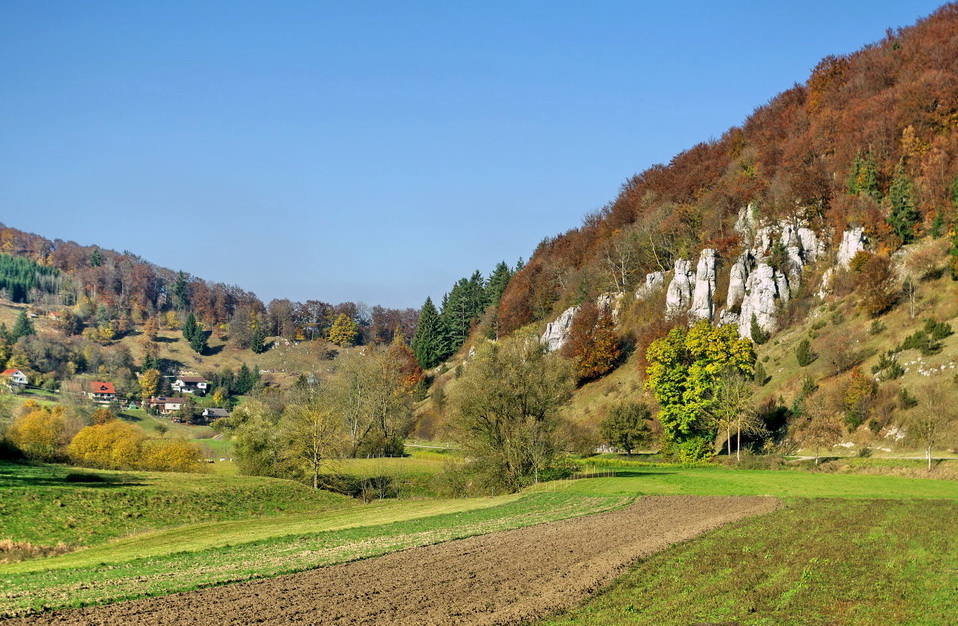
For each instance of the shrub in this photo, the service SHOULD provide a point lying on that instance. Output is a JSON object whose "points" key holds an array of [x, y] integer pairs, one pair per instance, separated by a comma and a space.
{"points": [[920, 341], [888, 366], [937, 330], [759, 335], [804, 353]]}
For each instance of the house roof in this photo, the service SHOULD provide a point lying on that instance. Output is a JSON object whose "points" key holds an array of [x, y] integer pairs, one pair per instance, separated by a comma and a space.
{"points": [[163, 400], [192, 379], [10, 372], [101, 387], [217, 413]]}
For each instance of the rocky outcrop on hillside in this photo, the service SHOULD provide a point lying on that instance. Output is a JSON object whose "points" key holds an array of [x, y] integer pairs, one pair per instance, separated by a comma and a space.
{"points": [[678, 297], [653, 281], [853, 242], [762, 279], [557, 332], [702, 307]]}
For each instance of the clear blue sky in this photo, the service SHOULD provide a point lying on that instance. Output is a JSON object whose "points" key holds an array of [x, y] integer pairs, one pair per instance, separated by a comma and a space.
{"points": [[374, 151]]}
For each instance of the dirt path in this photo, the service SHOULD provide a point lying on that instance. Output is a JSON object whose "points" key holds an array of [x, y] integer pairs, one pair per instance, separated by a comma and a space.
{"points": [[501, 578]]}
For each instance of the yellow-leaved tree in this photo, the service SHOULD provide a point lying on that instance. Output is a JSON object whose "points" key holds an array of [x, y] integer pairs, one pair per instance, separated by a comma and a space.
{"points": [[41, 432]]}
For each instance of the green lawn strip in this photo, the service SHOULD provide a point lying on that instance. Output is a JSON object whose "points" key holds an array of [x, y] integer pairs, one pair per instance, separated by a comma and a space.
{"points": [[39, 504], [821, 561], [197, 537], [711, 480], [44, 590]]}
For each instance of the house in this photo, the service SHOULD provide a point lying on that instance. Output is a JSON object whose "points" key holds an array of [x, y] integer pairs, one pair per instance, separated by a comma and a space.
{"points": [[14, 379], [165, 406], [190, 384], [214, 414], [101, 392]]}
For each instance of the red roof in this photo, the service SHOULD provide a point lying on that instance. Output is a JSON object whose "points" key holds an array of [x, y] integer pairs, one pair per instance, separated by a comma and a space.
{"points": [[100, 387], [9, 372]]}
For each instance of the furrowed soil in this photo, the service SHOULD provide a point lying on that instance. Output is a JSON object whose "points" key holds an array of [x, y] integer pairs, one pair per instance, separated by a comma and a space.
{"points": [[501, 578]]}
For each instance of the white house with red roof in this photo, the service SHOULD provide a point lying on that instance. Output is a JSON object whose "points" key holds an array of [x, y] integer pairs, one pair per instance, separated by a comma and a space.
{"points": [[14, 379], [101, 392]]}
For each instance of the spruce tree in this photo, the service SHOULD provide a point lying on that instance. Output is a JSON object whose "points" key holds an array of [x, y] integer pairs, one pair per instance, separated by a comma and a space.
{"points": [[428, 341], [257, 342], [904, 215], [497, 283], [22, 327], [190, 328]]}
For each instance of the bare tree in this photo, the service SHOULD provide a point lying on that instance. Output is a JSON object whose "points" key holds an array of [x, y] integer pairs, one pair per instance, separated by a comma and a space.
{"points": [[930, 421]]}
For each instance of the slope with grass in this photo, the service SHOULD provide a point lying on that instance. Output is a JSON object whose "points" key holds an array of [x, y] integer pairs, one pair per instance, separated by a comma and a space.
{"points": [[49, 504]]}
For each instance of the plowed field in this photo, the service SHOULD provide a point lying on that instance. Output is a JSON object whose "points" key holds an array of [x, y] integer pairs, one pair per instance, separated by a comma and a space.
{"points": [[500, 578]]}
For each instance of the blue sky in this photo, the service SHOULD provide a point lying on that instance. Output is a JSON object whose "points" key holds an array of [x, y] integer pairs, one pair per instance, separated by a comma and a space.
{"points": [[373, 151]]}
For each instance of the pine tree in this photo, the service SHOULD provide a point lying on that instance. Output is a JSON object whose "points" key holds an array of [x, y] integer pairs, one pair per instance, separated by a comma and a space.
{"points": [[428, 340], [22, 327], [904, 215], [257, 342]]}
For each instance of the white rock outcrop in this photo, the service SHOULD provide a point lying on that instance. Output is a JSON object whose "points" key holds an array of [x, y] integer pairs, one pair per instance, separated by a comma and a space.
{"points": [[678, 297], [653, 282], [761, 300], [853, 242], [557, 332], [702, 307]]}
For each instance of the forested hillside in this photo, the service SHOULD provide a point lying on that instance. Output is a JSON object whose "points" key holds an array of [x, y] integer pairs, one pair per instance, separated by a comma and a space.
{"points": [[870, 140]]}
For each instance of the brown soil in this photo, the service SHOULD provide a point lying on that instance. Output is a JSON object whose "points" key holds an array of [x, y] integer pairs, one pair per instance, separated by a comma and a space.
{"points": [[501, 578]]}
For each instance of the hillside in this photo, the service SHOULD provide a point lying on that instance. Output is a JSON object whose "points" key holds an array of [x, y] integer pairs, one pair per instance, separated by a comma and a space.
{"points": [[828, 218]]}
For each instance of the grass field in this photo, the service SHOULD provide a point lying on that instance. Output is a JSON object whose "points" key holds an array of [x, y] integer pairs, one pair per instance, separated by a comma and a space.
{"points": [[49, 504], [111, 575], [823, 561], [833, 526]]}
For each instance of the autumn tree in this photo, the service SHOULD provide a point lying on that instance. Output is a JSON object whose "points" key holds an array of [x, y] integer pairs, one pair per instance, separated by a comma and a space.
{"points": [[102, 415], [930, 421], [506, 411], [149, 384], [817, 425], [112, 445], [313, 434], [370, 394], [41, 432], [593, 343], [627, 426], [683, 374], [732, 409], [344, 331]]}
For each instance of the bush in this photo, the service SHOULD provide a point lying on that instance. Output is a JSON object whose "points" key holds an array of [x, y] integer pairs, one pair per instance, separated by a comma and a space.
{"points": [[804, 353], [937, 330], [888, 367], [759, 335], [922, 342]]}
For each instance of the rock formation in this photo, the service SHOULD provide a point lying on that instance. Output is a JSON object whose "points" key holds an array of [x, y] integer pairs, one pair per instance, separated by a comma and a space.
{"points": [[702, 307], [557, 332], [678, 297]]}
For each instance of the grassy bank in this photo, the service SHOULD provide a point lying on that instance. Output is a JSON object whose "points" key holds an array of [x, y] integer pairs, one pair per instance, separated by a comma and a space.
{"points": [[50, 504]]}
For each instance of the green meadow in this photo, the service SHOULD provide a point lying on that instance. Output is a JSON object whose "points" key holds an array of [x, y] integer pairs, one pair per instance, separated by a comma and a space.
{"points": [[837, 537]]}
